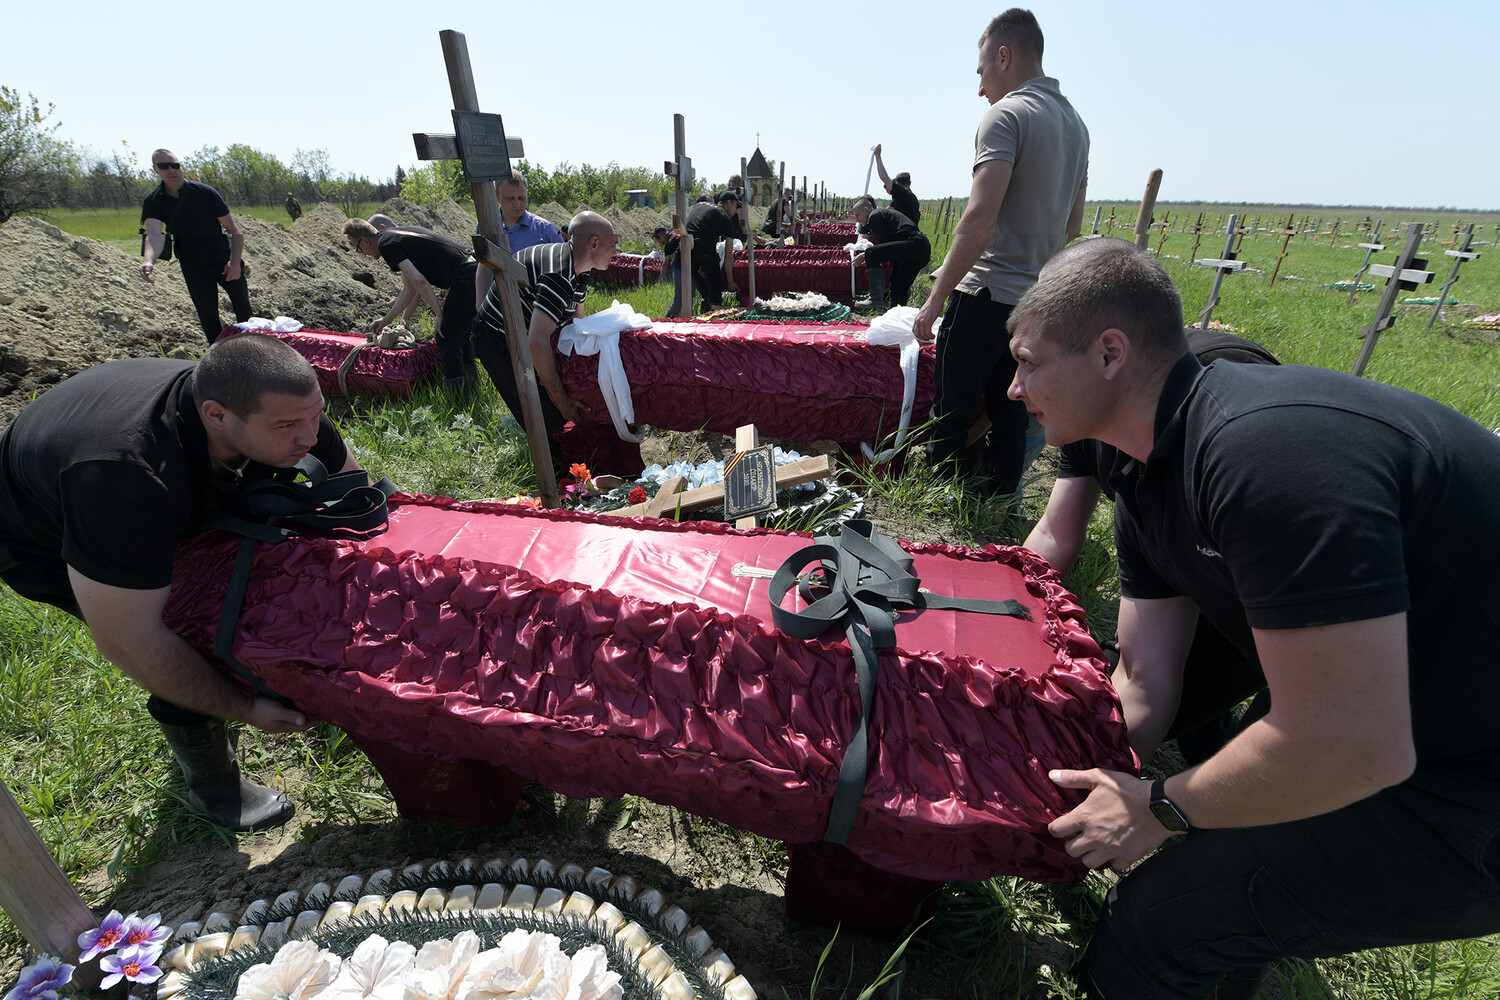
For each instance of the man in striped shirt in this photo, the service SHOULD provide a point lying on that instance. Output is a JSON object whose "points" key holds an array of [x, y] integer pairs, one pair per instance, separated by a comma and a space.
{"points": [[558, 279]]}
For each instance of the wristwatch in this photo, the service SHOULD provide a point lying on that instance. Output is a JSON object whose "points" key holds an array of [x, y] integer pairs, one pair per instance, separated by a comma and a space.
{"points": [[1165, 810]]}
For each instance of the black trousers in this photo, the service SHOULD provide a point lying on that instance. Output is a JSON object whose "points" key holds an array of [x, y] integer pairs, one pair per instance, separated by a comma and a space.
{"points": [[1403, 866], [494, 355], [974, 363], [203, 283], [708, 281], [455, 337], [908, 258]]}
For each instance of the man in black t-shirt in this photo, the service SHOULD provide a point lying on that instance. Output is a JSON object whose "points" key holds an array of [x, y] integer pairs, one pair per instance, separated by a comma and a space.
{"points": [[197, 219], [426, 260], [104, 474], [897, 239], [899, 188], [558, 280], [708, 224], [1343, 535]]}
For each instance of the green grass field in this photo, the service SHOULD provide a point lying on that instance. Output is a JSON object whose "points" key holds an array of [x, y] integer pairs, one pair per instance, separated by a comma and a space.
{"points": [[97, 784]]}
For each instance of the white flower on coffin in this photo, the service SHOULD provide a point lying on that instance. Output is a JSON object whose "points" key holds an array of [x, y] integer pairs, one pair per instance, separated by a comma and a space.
{"points": [[591, 976], [300, 970], [440, 967], [377, 969]]}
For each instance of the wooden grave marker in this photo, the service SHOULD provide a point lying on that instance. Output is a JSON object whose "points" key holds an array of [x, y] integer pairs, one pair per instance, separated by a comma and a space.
{"points": [[680, 169], [1197, 236], [1222, 266], [1408, 272], [668, 502], [1287, 231], [1095, 231], [1148, 203], [1459, 256], [1164, 225], [1369, 248], [491, 246], [749, 247]]}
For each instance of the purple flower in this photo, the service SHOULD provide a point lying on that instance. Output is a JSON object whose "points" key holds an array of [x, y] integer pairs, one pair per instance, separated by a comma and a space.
{"points": [[105, 937], [135, 964], [144, 932], [41, 980]]}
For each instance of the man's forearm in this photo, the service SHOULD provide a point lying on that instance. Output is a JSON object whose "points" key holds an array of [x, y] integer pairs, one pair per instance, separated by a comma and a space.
{"points": [[161, 662]]}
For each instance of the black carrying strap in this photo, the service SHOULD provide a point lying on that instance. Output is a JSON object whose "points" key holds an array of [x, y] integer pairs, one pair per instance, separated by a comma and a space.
{"points": [[339, 503], [868, 580]]}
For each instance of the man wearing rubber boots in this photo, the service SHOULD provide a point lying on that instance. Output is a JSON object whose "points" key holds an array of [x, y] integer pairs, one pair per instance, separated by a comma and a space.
{"points": [[1363, 810], [105, 473]]}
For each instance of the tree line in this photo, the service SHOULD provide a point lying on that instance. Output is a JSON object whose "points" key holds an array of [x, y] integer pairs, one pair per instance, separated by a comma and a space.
{"points": [[39, 171]]}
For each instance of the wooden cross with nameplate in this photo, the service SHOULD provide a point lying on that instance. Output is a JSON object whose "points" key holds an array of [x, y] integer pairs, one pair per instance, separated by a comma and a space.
{"points": [[1408, 272], [486, 152], [680, 169], [1222, 266]]}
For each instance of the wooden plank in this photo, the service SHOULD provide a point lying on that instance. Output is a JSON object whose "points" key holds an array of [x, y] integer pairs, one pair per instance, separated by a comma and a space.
{"points": [[1148, 202], [665, 500], [443, 146], [40, 900], [487, 207], [498, 259], [794, 474], [747, 438], [1407, 274]]}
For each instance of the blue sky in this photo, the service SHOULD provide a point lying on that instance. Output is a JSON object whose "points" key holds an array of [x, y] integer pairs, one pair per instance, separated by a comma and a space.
{"points": [[1380, 102]]}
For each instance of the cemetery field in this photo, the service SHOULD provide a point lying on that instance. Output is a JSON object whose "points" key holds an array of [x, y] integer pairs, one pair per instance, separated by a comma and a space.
{"points": [[94, 777]]}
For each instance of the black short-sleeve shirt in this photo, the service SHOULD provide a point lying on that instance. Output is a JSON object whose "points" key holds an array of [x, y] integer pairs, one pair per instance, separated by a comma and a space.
{"points": [[107, 471], [903, 201], [887, 225], [708, 224], [436, 257], [192, 217], [1095, 458], [1293, 497]]}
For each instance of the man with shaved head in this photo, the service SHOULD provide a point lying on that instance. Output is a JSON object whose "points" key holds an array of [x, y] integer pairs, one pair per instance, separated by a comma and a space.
{"points": [[1342, 536], [1026, 201], [558, 280]]}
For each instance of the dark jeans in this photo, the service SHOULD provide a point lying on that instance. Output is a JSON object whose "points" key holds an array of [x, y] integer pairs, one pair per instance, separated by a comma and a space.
{"points": [[203, 284], [1401, 867], [455, 337], [973, 364], [674, 275], [494, 354], [49, 585], [908, 258], [708, 281]]}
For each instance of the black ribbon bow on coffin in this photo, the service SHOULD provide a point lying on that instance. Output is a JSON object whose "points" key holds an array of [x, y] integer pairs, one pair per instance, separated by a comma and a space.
{"points": [[869, 581]]}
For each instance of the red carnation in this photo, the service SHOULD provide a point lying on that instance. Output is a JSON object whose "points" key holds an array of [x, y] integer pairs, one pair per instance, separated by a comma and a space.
{"points": [[638, 494]]}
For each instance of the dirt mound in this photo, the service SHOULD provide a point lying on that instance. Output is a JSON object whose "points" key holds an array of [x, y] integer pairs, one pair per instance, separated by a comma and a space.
{"points": [[447, 218]]}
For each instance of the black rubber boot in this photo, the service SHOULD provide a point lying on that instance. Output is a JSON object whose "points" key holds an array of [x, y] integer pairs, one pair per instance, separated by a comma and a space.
{"points": [[876, 274], [215, 787]]}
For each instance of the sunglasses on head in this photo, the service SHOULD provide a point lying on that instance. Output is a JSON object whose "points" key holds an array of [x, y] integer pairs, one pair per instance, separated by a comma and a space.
{"points": [[168, 165]]}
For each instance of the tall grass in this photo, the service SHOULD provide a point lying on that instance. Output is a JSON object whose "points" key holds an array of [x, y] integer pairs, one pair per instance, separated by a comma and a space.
{"points": [[95, 779]]}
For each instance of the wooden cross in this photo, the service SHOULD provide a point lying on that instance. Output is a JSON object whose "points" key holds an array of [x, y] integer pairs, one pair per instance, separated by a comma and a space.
{"points": [[749, 246], [1459, 256], [1164, 224], [1369, 248], [680, 169], [1221, 266], [34, 892], [492, 250], [1197, 236], [1095, 230], [1287, 231], [1402, 275], [1148, 202], [670, 502]]}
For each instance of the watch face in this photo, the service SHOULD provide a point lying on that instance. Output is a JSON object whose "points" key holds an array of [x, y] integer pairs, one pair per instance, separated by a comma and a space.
{"points": [[1167, 813]]}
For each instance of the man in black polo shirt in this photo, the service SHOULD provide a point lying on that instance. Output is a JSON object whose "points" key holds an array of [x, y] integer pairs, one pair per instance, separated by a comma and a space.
{"points": [[708, 224], [558, 280], [899, 188], [105, 473], [1343, 535], [427, 260], [197, 220], [897, 239]]}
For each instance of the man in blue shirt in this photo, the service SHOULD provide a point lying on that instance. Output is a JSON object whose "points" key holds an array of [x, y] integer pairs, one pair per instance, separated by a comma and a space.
{"points": [[522, 228]]}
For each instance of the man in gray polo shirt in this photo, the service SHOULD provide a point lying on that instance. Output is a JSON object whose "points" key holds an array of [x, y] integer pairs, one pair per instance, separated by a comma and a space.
{"points": [[1022, 210]]}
